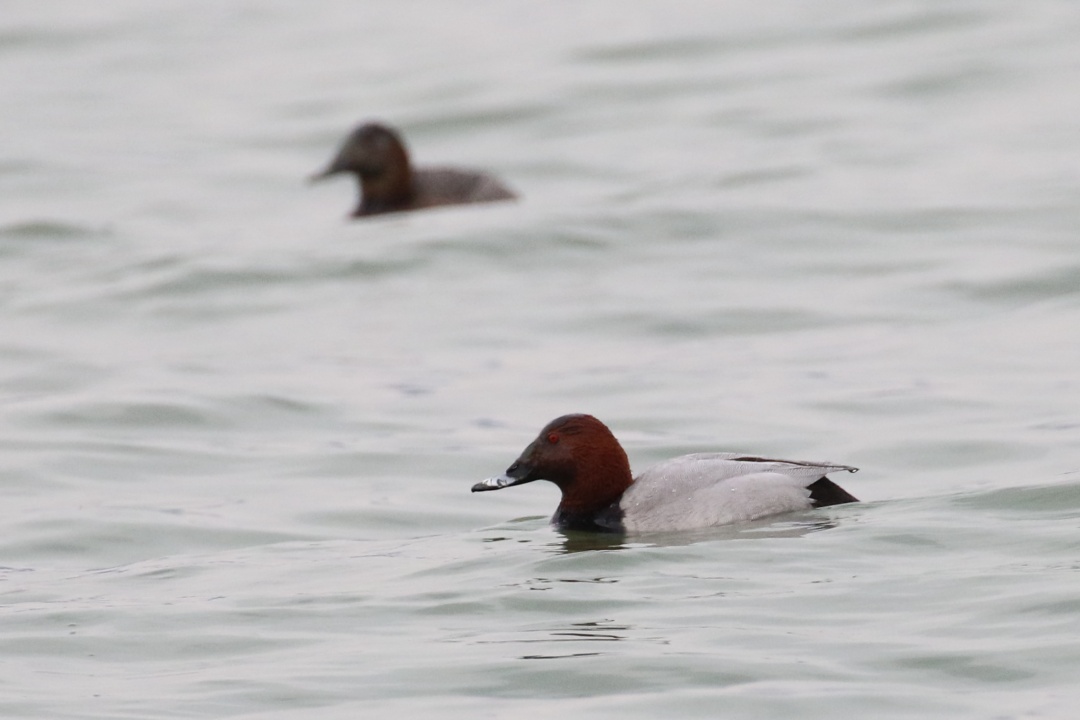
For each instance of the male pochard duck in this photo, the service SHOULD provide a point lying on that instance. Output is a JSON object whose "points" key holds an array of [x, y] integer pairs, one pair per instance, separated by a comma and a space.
{"points": [[581, 456], [388, 183]]}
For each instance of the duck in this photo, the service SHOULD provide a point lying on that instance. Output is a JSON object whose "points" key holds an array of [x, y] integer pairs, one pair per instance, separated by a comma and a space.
{"points": [[376, 155], [582, 457]]}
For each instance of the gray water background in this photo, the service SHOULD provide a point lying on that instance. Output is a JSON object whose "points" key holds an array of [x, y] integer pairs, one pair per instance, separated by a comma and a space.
{"points": [[239, 430]]}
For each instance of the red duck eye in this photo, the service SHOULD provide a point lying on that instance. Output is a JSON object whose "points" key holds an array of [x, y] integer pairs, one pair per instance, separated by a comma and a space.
{"points": [[553, 438]]}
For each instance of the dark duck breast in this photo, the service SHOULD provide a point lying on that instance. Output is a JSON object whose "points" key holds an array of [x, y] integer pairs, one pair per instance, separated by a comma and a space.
{"points": [[376, 155]]}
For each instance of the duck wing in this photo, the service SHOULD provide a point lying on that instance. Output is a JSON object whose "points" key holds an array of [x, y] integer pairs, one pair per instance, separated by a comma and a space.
{"points": [[706, 489]]}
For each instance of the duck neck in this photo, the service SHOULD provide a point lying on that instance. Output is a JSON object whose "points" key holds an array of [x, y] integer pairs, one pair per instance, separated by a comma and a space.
{"points": [[389, 189], [602, 475]]}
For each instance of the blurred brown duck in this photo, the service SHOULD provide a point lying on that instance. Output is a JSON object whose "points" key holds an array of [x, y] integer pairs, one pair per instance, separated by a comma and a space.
{"points": [[389, 183]]}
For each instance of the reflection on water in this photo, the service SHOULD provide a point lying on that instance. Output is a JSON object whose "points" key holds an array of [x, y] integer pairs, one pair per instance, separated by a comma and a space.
{"points": [[544, 583], [592, 631], [573, 542], [537, 530]]}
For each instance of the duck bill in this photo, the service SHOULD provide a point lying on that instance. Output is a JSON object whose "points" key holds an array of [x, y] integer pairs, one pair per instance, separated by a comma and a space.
{"points": [[517, 474], [496, 483], [342, 162], [323, 174]]}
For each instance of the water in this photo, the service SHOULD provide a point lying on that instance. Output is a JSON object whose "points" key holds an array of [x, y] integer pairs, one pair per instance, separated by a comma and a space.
{"points": [[239, 431]]}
